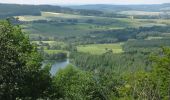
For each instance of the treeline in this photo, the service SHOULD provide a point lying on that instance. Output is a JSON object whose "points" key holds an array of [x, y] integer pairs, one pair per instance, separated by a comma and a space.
{"points": [[128, 76], [9, 10], [157, 43], [135, 75], [55, 56], [118, 63], [121, 35]]}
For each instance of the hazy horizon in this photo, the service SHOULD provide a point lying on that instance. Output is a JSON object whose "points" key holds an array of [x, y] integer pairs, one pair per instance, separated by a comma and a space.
{"points": [[84, 2]]}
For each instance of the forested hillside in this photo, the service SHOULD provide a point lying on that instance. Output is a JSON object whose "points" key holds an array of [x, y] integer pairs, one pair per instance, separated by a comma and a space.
{"points": [[9, 10], [139, 7]]}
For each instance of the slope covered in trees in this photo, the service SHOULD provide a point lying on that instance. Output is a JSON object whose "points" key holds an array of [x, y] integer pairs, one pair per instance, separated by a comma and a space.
{"points": [[95, 77]]}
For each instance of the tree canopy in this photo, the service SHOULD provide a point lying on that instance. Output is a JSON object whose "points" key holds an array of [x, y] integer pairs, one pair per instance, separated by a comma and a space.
{"points": [[21, 75]]}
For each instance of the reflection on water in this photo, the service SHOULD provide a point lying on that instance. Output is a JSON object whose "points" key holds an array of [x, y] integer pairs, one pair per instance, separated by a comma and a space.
{"points": [[58, 65]]}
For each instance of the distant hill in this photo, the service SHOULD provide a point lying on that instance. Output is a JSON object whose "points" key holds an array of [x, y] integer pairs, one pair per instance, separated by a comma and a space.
{"points": [[7, 10], [114, 8]]}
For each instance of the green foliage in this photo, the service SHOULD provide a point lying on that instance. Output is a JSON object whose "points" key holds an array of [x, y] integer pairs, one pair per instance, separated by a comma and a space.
{"points": [[139, 85], [161, 72], [140, 80], [152, 85], [118, 63], [21, 75], [75, 84]]}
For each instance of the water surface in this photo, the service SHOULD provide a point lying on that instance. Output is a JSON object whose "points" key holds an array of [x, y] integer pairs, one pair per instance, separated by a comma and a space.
{"points": [[58, 65]]}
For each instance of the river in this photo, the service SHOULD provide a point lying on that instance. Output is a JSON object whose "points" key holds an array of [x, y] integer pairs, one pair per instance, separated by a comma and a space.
{"points": [[58, 65]]}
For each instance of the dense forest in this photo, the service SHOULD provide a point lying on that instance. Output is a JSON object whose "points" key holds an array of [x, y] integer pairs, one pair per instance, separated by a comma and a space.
{"points": [[114, 52]]}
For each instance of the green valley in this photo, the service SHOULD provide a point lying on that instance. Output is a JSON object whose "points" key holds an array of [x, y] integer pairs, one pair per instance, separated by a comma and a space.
{"points": [[84, 52]]}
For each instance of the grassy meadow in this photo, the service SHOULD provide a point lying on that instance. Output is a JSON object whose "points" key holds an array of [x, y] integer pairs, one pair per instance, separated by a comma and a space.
{"points": [[54, 51], [58, 27], [99, 49]]}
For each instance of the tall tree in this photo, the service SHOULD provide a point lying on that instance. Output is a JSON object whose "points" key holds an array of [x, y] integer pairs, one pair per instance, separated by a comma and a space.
{"points": [[161, 73], [21, 75]]}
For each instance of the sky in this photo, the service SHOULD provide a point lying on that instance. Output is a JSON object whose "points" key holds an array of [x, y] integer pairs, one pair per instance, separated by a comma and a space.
{"points": [[77, 2]]}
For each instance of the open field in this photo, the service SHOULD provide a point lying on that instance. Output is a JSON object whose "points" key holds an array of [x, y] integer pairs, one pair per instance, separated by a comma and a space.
{"points": [[55, 51], [63, 15], [50, 42], [59, 31], [58, 16], [28, 18], [153, 38], [133, 12], [155, 21], [58, 24], [100, 48]]}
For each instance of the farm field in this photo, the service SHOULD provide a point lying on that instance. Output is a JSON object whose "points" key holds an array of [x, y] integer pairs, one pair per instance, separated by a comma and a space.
{"points": [[61, 25], [100, 48], [50, 42], [55, 51], [60, 30], [133, 12]]}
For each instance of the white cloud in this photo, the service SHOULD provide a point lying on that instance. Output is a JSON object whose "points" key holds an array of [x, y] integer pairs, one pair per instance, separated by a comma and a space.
{"points": [[67, 2]]}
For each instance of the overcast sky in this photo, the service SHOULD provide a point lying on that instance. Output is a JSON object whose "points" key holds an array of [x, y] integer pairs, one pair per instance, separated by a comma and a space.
{"points": [[71, 2]]}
